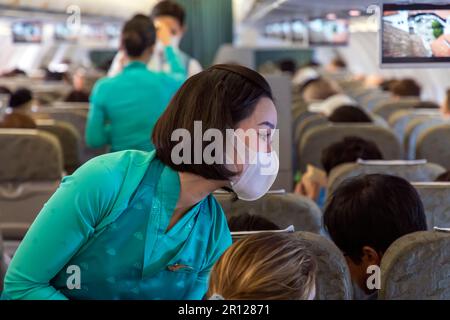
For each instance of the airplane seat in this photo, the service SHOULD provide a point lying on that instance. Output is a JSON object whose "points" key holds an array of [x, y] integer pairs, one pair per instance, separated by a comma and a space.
{"points": [[400, 119], [31, 170], [78, 119], [435, 197], [417, 267], [315, 140], [370, 101], [433, 143], [413, 129], [70, 106], [386, 108], [283, 209], [69, 139], [333, 280], [411, 171], [308, 123]]}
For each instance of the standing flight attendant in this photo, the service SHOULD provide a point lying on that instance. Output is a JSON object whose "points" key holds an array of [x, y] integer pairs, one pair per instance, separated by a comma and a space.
{"points": [[139, 225], [124, 109], [174, 15]]}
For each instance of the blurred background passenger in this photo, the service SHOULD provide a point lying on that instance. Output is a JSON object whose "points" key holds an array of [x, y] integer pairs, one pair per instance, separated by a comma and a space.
{"points": [[265, 266], [78, 93], [173, 15], [314, 183], [445, 107], [349, 114], [18, 115], [405, 88], [125, 108]]}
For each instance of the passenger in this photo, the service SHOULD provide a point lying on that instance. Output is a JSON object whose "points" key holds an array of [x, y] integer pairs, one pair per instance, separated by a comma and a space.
{"points": [[250, 222], [288, 66], [445, 108], [349, 114], [366, 214], [314, 183], [405, 88], [265, 266], [337, 65], [331, 103], [319, 89], [143, 225], [172, 14], [5, 90], [18, 117], [387, 84], [125, 108], [78, 93]]}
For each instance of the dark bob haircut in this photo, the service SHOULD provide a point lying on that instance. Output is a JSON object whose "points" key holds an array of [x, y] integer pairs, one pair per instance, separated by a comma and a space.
{"points": [[373, 210], [171, 9], [138, 34], [220, 97]]}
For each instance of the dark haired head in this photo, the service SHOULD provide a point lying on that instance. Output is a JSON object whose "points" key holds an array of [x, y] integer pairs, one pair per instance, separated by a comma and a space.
{"points": [[5, 90], [20, 97], [349, 114], [288, 65], [406, 88], [444, 177], [387, 84], [220, 97], [339, 63], [250, 222], [350, 149], [171, 9], [138, 35], [374, 211]]}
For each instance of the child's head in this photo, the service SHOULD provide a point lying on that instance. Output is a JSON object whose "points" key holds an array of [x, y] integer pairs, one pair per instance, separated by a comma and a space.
{"points": [[265, 266]]}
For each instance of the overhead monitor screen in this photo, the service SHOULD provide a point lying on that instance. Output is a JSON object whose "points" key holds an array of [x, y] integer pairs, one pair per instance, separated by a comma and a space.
{"points": [[415, 33], [299, 31], [27, 31], [64, 33], [325, 32]]}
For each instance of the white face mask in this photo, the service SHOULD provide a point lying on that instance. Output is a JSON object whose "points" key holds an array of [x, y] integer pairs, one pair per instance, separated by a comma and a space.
{"points": [[257, 176]]}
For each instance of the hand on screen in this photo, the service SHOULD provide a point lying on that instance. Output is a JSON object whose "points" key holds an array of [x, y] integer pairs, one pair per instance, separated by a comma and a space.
{"points": [[441, 46]]}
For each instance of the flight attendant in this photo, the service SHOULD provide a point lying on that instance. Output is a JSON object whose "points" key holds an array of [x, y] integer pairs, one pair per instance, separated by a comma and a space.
{"points": [[125, 108], [143, 225]]}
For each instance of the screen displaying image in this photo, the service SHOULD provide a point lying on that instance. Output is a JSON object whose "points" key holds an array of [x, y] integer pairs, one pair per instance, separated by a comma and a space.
{"points": [[274, 30], [415, 33], [64, 33], [27, 32], [328, 32]]}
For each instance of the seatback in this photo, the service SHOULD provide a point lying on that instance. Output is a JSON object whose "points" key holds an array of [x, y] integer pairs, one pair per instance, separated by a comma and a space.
{"points": [[417, 267], [399, 120], [30, 173], [69, 139], [414, 171], [433, 143], [309, 122], [333, 280], [370, 101], [386, 108], [435, 197], [78, 119], [318, 138], [282, 209]]}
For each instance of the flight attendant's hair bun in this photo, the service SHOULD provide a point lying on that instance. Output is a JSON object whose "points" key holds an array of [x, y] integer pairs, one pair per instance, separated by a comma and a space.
{"points": [[138, 34]]}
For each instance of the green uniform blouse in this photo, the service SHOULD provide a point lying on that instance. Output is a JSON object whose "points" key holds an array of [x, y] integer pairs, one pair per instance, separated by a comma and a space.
{"points": [[124, 109], [109, 219]]}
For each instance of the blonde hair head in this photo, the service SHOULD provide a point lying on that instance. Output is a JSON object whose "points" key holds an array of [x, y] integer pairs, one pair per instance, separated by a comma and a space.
{"points": [[265, 266]]}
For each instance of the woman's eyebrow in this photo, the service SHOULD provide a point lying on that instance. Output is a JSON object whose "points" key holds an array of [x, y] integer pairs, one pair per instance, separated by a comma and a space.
{"points": [[267, 123]]}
